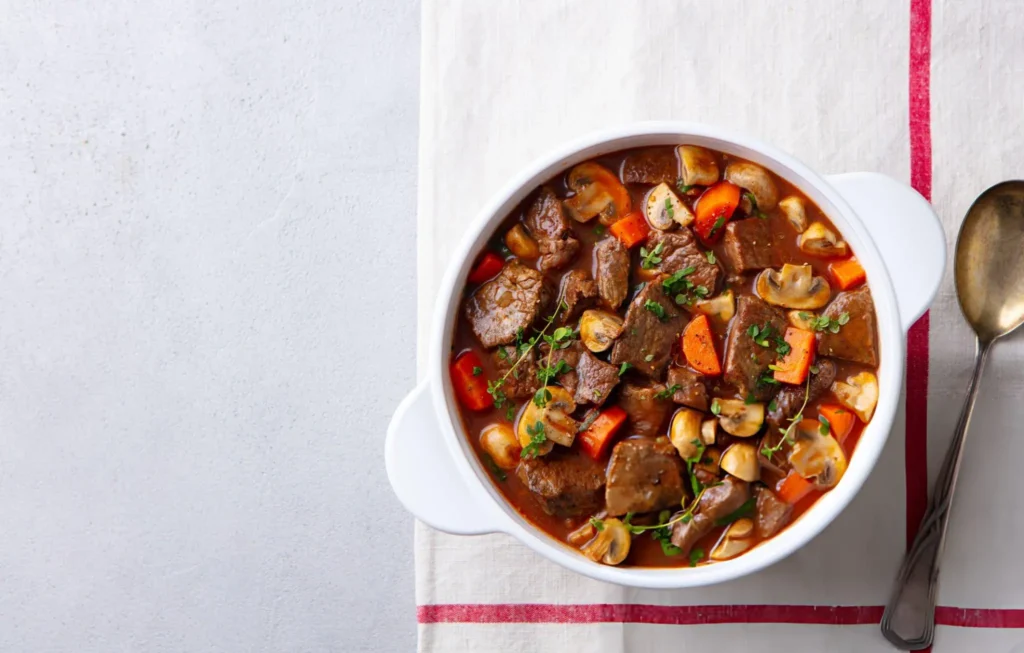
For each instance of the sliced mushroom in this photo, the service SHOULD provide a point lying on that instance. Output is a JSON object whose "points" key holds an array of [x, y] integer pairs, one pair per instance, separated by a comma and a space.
{"points": [[710, 462], [740, 460], [802, 319], [501, 445], [708, 431], [859, 394], [700, 168], [755, 179], [611, 543], [735, 540], [598, 192], [794, 286], [665, 209], [819, 240], [721, 307], [740, 418], [554, 417], [599, 329], [815, 456], [793, 208], [685, 432], [521, 243], [586, 532]]}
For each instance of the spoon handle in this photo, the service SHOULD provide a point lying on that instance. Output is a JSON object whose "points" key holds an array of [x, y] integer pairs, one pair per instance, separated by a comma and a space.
{"points": [[909, 618]]}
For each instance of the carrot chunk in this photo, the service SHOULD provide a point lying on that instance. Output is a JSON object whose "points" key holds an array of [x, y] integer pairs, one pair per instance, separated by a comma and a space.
{"points": [[793, 488], [847, 273], [794, 366], [489, 265], [632, 229], [714, 208], [699, 346], [469, 382], [840, 420], [596, 439]]}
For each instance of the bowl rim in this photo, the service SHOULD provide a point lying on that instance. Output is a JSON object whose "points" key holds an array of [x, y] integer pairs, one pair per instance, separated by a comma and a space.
{"points": [[891, 339]]}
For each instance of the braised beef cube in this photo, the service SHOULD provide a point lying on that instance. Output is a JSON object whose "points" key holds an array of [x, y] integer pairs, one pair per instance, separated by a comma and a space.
{"points": [[652, 327], [570, 353], [644, 475], [506, 304], [547, 222], [746, 361], [856, 339], [647, 412], [691, 391], [564, 483], [655, 165], [522, 382], [716, 502], [771, 514], [679, 251], [611, 259], [597, 379], [578, 292], [791, 397], [748, 245]]}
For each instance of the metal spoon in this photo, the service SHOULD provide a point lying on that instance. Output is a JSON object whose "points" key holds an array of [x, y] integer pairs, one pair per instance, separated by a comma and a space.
{"points": [[989, 272]]}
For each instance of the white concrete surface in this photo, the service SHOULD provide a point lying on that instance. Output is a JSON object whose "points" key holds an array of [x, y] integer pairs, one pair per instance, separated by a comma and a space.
{"points": [[206, 316]]}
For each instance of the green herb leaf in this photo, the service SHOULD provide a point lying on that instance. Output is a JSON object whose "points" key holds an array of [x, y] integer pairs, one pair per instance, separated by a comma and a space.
{"points": [[599, 230], [815, 369], [683, 188], [751, 399], [498, 472], [537, 439], [719, 223], [716, 408], [710, 256], [696, 556], [772, 407], [843, 319], [656, 308], [597, 524], [542, 397], [649, 357], [624, 367], [746, 510], [825, 426], [651, 258], [668, 392], [477, 371], [510, 412], [675, 282]]}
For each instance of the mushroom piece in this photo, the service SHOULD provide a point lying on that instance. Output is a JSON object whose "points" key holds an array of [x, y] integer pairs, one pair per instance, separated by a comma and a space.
{"points": [[735, 540], [755, 179], [710, 462], [794, 286], [521, 243], [793, 208], [815, 456], [598, 193], [611, 544], [700, 168], [708, 431], [740, 460], [802, 319], [721, 307], [819, 240], [739, 418], [501, 445], [685, 433], [554, 419], [665, 209], [586, 532], [859, 394], [599, 329]]}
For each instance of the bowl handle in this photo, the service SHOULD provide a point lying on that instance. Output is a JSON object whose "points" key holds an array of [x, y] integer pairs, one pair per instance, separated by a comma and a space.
{"points": [[423, 474], [907, 232]]}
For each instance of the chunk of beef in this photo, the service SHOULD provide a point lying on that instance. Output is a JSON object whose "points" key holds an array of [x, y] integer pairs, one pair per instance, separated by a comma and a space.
{"points": [[647, 413], [655, 165], [691, 391], [547, 222], [643, 475], [578, 292], [505, 304], [679, 251], [564, 483], [791, 397], [718, 501], [748, 245], [745, 360], [597, 379], [772, 513], [647, 339], [856, 339], [522, 382], [611, 259], [571, 355]]}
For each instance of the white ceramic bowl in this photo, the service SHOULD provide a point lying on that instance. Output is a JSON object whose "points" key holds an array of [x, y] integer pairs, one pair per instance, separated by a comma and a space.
{"points": [[891, 228]]}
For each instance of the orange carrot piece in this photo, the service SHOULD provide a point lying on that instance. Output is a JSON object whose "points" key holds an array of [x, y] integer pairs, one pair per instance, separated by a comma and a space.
{"points": [[840, 420], [794, 366], [699, 346], [714, 208], [793, 488], [470, 388], [632, 229], [489, 265], [847, 273], [596, 439]]}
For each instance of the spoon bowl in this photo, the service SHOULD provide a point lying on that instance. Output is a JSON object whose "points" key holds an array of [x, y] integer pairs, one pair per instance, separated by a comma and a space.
{"points": [[989, 264]]}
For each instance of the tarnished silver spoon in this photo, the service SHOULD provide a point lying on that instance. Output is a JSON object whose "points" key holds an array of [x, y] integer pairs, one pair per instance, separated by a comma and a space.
{"points": [[989, 271]]}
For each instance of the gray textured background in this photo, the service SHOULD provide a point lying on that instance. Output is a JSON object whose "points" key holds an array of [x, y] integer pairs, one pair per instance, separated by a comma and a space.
{"points": [[206, 317]]}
